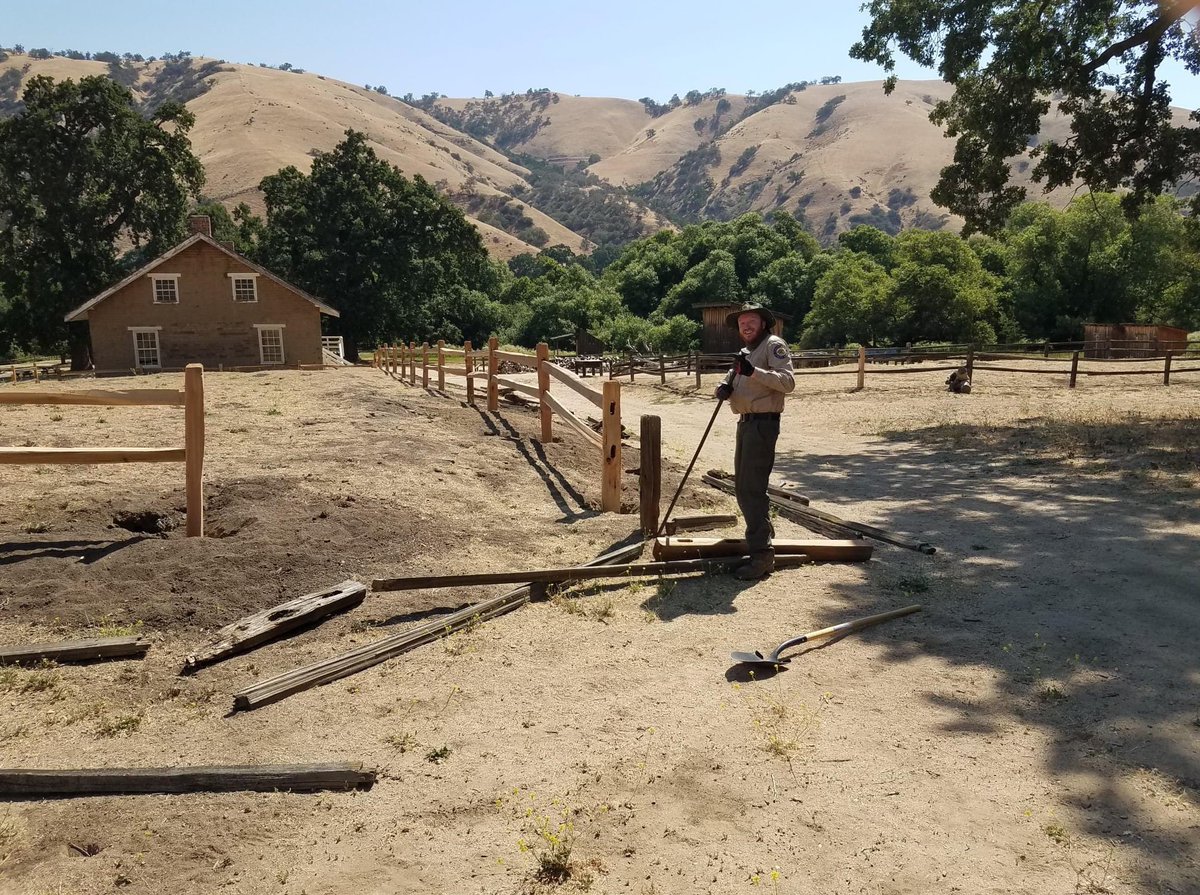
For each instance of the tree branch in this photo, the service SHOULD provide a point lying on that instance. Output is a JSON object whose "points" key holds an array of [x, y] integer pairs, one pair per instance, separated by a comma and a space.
{"points": [[1171, 13]]}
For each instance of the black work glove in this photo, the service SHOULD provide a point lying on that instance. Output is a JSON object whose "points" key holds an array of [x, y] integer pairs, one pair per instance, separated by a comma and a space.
{"points": [[724, 390], [743, 365]]}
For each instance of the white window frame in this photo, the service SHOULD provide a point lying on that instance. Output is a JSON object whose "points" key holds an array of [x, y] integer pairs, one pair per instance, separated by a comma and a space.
{"points": [[142, 330], [253, 278], [156, 278], [262, 357]]}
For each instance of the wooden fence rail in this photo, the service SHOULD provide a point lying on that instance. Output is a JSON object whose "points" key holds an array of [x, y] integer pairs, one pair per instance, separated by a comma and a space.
{"points": [[904, 361], [190, 397], [484, 364]]}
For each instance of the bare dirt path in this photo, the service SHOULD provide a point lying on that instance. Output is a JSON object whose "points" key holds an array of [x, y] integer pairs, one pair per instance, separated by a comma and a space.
{"points": [[1035, 729]]}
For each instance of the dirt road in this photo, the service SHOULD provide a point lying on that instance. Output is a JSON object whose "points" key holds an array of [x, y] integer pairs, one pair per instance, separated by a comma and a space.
{"points": [[1034, 730]]}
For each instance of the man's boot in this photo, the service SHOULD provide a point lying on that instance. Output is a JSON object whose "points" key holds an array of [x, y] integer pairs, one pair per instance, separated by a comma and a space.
{"points": [[762, 563]]}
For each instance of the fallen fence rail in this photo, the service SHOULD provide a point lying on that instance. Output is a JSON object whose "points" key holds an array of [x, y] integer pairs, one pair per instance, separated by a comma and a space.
{"points": [[191, 397]]}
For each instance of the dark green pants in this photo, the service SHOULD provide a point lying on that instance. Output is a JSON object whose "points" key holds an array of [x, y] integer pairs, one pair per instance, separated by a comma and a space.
{"points": [[752, 462]]}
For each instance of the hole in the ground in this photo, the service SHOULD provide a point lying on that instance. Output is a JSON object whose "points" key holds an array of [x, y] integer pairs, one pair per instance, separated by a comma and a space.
{"points": [[150, 522]]}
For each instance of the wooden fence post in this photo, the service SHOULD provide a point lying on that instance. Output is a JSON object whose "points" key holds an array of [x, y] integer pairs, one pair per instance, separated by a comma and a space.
{"points": [[650, 479], [493, 369], [1167, 370], [544, 410], [412, 363], [610, 412], [971, 362], [441, 366], [631, 366], [1074, 369], [469, 366], [699, 365], [193, 446], [403, 360], [424, 365], [862, 367], [662, 368]]}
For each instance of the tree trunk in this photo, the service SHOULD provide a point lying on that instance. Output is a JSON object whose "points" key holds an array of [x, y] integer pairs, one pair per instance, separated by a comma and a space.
{"points": [[80, 345]]}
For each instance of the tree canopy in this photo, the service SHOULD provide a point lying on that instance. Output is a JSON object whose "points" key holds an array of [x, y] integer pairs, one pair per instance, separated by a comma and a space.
{"points": [[1099, 59], [80, 170], [391, 254]]}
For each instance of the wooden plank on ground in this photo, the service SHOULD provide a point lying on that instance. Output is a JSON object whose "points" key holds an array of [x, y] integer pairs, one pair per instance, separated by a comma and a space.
{"points": [[680, 548], [136, 397], [82, 455], [370, 654], [699, 523], [792, 510], [75, 650], [212, 778], [270, 624], [549, 576]]}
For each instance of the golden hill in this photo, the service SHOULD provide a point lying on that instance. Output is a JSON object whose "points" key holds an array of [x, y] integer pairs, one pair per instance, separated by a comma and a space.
{"points": [[840, 153]]}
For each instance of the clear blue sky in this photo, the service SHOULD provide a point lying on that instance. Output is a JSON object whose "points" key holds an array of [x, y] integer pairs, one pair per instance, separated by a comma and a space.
{"points": [[618, 48]]}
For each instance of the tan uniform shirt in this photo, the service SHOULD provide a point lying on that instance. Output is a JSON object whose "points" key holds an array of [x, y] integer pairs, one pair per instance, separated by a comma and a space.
{"points": [[763, 392]]}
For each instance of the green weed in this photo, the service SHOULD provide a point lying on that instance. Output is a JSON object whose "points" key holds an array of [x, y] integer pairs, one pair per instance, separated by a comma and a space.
{"points": [[118, 725]]}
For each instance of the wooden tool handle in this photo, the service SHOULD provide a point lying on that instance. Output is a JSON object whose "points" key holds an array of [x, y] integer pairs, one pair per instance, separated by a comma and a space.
{"points": [[857, 624]]}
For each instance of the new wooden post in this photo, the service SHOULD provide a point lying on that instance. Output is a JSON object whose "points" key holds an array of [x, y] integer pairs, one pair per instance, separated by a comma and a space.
{"points": [[1167, 370], [193, 446], [441, 366], [493, 369], [862, 367], [1074, 369], [469, 366], [650, 474], [610, 412], [412, 365], [544, 411], [662, 368]]}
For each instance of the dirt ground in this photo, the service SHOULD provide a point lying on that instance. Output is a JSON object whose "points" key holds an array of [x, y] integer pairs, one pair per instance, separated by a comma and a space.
{"points": [[1036, 729]]}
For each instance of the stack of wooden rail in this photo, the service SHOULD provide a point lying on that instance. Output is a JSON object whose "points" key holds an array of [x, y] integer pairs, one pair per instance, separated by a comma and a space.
{"points": [[797, 507]]}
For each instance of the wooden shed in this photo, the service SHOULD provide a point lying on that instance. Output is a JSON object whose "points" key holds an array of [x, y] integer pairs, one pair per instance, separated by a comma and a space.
{"points": [[716, 337], [1131, 340]]}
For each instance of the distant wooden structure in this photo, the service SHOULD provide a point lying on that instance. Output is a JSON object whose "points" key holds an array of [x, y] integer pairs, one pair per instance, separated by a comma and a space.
{"points": [[1108, 340], [717, 338], [585, 343]]}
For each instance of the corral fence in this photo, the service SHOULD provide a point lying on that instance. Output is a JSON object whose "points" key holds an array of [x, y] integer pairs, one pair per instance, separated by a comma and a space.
{"points": [[469, 366], [1057, 358], [190, 397]]}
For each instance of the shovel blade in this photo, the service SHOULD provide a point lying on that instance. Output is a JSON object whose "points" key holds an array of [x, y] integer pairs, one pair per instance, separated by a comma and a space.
{"points": [[754, 658]]}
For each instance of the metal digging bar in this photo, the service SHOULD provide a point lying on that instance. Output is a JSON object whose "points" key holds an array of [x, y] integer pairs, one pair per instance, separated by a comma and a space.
{"points": [[729, 378]]}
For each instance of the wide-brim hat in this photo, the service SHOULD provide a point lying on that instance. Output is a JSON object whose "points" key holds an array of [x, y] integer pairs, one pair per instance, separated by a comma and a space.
{"points": [[731, 319]]}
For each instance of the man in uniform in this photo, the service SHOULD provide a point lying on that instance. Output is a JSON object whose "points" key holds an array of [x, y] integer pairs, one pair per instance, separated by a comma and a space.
{"points": [[763, 376]]}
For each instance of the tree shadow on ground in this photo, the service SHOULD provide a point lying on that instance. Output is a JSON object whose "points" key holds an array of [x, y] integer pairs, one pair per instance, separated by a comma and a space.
{"points": [[1067, 566]]}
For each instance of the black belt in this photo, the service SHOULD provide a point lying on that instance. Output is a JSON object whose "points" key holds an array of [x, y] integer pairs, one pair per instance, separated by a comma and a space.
{"points": [[761, 416]]}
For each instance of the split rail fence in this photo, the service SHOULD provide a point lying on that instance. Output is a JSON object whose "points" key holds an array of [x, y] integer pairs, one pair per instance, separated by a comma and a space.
{"points": [[190, 397], [412, 361], [1063, 359]]}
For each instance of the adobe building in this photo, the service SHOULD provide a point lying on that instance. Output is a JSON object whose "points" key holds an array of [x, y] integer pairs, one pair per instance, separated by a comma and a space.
{"points": [[202, 302]]}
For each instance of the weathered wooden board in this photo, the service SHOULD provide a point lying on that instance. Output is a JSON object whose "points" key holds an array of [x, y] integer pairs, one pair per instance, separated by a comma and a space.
{"points": [[683, 548], [362, 657], [270, 624], [75, 650], [139, 781]]}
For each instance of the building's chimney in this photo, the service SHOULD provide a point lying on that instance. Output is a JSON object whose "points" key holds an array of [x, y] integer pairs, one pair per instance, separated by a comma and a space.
{"points": [[200, 223]]}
